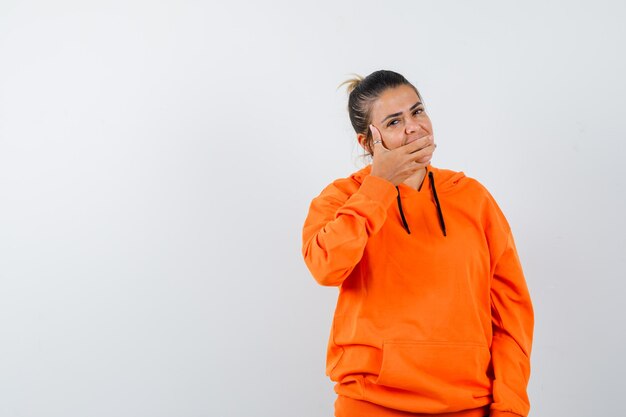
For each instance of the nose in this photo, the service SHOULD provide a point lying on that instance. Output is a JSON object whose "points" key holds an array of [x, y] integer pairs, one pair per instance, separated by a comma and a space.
{"points": [[413, 126]]}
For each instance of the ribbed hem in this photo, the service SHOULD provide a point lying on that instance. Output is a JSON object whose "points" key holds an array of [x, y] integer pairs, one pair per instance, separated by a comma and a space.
{"points": [[349, 407]]}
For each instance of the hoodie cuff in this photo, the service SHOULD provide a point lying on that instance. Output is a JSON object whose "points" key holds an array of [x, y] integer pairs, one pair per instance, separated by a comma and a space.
{"points": [[378, 189], [497, 413]]}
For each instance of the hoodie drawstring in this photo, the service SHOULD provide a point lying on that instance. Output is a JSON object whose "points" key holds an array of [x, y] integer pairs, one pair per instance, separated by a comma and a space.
{"points": [[404, 223], [439, 212], [442, 223]]}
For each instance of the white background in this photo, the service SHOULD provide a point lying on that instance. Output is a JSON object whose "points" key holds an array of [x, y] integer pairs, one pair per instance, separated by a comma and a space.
{"points": [[157, 160]]}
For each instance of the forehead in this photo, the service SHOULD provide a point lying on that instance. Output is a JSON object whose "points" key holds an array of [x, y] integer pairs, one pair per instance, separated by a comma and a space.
{"points": [[394, 100]]}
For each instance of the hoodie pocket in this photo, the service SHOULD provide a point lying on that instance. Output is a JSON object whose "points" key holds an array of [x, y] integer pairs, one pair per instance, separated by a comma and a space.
{"points": [[437, 369]]}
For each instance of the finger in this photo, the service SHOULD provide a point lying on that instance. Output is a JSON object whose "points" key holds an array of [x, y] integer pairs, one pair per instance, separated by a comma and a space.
{"points": [[377, 139], [418, 144], [423, 154], [425, 159]]}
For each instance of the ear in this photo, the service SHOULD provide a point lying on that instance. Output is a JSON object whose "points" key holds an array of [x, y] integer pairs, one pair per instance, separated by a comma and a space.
{"points": [[361, 139]]}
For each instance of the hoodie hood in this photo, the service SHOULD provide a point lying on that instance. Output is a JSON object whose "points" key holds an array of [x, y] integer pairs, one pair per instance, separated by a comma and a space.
{"points": [[440, 181], [445, 179]]}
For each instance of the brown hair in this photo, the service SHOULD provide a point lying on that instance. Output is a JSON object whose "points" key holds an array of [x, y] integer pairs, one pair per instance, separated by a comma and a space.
{"points": [[363, 92]]}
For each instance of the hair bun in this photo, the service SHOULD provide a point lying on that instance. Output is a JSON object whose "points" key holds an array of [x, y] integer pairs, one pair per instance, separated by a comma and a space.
{"points": [[352, 83]]}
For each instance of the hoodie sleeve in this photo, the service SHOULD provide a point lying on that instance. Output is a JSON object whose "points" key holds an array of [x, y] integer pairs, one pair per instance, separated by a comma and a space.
{"points": [[338, 226], [512, 323]]}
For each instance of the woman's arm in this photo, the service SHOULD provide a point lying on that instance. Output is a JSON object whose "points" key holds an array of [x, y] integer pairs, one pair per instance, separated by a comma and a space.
{"points": [[512, 322], [338, 225]]}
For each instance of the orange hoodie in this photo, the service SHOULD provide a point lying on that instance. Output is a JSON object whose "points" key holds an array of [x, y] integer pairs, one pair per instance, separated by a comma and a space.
{"points": [[433, 315]]}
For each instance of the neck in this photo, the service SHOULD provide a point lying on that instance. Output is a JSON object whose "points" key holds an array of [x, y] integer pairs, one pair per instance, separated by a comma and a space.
{"points": [[415, 180]]}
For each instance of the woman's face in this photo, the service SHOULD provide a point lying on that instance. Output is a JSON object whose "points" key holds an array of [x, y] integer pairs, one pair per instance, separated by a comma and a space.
{"points": [[400, 117]]}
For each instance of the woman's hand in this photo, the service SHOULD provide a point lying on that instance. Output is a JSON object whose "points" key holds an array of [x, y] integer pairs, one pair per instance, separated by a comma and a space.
{"points": [[396, 165]]}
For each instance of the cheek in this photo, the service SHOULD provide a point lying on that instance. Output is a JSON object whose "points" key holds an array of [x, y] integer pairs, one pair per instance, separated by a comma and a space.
{"points": [[427, 125], [394, 140]]}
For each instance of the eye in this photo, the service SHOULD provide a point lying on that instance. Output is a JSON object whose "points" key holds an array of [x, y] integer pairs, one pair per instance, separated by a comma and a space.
{"points": [[393, 122], [418, 111]]}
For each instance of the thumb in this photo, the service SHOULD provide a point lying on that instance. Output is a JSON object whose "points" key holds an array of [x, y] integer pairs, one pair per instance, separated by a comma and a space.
{"points": [[377, 140]]}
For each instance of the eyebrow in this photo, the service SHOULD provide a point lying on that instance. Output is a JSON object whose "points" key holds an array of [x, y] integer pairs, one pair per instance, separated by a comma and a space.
{"points": [[398, 114]]}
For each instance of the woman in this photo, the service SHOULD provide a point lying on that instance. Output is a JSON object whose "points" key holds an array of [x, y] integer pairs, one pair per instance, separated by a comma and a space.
{"points": [[434, 316]]}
